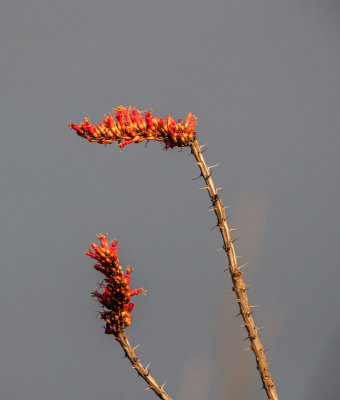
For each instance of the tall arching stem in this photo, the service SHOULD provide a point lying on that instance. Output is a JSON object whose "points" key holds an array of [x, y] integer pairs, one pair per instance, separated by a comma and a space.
{"points": [[239, 286]]}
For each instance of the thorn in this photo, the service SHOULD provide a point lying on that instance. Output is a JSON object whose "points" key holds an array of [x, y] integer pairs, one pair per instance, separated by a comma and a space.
{"points": [[214, 227], [136, 347], [204, 187], [197, 177], [147, 388], [239, 256], [213, 166], [221, 248], [147, 367], [164, 383], [237, 315], [224, 247], [212, 209], [233, 229], [128, 336], [256, 305], [247, 348], [241, 266], [218, 189], [226, 269], [226, 207], [234, 240], [258, 328]]}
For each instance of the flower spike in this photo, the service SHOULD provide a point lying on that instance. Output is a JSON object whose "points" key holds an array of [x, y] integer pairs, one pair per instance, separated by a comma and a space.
{"points": [[134, 126], [114, 291]]}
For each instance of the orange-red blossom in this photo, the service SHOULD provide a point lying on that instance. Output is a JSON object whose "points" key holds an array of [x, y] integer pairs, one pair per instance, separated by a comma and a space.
{"points": [[134, 126], [114, 292]]}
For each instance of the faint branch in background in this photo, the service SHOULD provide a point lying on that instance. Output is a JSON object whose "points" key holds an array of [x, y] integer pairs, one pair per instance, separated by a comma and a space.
{"points": [[239, 286], [196, 379], [324, 382]]}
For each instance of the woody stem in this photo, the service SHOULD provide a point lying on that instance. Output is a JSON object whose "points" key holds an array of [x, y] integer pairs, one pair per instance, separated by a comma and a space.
{"points": [[137, 365], [239, 286]]}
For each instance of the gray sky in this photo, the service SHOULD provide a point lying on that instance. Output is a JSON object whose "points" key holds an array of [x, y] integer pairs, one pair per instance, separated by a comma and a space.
{"points": [[263, 79]]}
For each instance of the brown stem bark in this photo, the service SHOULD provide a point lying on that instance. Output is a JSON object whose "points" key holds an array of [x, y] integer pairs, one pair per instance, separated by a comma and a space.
{"points": [[142, 371], [239, 286]]}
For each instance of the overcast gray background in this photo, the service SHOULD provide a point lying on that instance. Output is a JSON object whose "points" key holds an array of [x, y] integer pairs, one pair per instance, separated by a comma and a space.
{"points": [[263, 78]]}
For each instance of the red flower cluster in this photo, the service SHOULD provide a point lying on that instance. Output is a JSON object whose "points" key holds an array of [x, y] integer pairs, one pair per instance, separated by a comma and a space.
{"points": [[131, 126], [114, 292]]}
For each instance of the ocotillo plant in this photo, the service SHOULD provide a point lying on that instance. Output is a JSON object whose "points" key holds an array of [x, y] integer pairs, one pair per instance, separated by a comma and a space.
{"points": [[133, 126]]}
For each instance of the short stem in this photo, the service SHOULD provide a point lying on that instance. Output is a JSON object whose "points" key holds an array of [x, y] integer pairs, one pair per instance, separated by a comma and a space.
{"points": [[239, 286], [142, 371]]}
